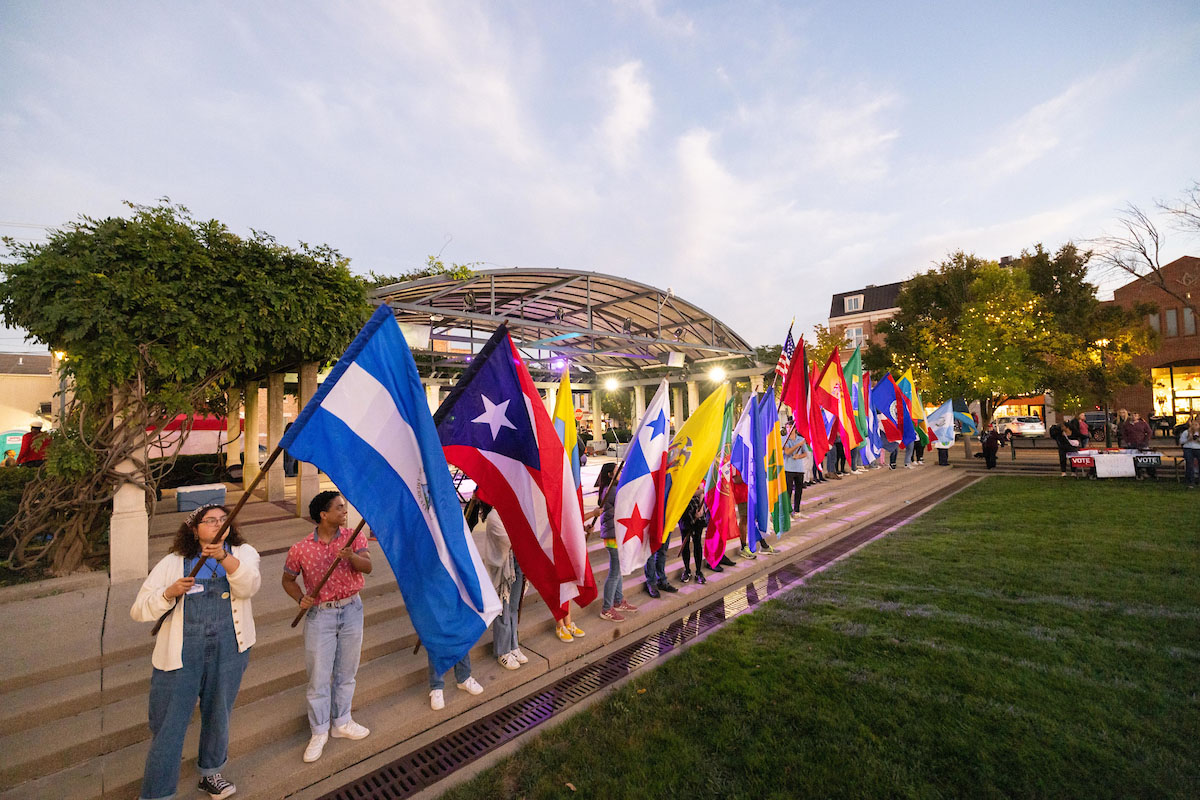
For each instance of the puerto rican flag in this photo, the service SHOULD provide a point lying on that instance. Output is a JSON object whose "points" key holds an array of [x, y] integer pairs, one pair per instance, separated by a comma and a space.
{"points": [[495, 428], [641, 489]]}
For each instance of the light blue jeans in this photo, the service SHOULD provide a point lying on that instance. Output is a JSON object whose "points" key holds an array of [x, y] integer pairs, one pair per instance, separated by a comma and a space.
{"points": [[332, 647], [613, 591], [212, 671], [504, 629], [462, 671]]}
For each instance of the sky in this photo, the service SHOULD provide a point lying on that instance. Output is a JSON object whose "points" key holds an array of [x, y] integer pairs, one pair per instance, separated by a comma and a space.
{"points": [[754, 157]]}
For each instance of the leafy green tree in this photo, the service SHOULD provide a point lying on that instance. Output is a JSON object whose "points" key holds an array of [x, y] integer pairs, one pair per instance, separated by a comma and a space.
{"points": [[824, 342], [433, 266], [157, 313]]}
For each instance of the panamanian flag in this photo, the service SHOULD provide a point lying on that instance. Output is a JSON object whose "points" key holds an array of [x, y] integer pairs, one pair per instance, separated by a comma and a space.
{"points": [[641, 490], [368, 427], [494, 427]]}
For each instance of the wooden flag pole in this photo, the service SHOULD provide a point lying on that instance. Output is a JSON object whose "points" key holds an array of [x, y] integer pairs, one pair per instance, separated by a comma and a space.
{"points": [[200, 562], [600, 500], [317, 591]]}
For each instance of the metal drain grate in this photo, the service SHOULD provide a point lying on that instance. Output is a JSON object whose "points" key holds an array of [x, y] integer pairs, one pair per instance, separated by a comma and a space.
{"points": [[422, 768]]}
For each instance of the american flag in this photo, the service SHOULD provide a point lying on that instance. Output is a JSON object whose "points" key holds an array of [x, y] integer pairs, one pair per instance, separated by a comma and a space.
{"points": [[785, 356]]}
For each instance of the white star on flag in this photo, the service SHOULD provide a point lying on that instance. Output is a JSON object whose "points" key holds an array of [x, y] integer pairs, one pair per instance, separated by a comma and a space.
{"points": [[493, 416]]}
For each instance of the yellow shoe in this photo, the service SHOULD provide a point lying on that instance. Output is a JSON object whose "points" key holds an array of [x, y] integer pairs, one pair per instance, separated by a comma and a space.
{"points": [[575, 630], [564, 634]]}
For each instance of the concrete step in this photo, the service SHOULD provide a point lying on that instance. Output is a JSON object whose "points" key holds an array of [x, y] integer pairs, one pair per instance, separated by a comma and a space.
{"points": [[82, 725]]}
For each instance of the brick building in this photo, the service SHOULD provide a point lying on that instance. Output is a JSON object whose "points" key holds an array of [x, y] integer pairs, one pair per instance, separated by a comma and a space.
{"points": [[1174, 369], [855, 314]]}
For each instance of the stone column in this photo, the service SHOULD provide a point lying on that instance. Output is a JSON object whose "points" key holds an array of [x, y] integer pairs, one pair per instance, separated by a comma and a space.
{"points": [[275, 478], [677, 406], [433, 396], [693, 397], [308, 481], [551, 396], [250, 435], [233, 426], [597, 416], [129, 527], [639, 404]]}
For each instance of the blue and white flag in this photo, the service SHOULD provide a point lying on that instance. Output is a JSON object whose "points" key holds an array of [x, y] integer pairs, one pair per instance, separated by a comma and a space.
{"points": [[369, 428], [941, 423]]}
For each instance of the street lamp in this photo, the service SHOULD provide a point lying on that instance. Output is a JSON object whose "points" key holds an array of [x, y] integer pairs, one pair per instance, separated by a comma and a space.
{"points": [[716, 374]]}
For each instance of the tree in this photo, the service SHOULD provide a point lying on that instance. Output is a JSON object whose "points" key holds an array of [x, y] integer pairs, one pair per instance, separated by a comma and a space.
{"points": [[157, 313], [973, 329], [823, 344], [1135, 249], [433, 266]]}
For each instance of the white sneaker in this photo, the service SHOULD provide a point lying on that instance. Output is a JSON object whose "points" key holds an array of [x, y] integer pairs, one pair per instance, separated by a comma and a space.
{"points": [[437, 700], [471, 685], [316, 746], [524, 659], [509, 661], [351, 730]]}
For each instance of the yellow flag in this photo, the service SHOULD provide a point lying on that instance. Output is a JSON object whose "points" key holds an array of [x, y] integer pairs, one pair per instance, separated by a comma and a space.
{"points": [[907, 384], [692, 452]]}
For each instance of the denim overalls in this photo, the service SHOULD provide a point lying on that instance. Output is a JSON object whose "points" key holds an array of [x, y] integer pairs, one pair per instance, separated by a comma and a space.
{"points": [[212, 671]]}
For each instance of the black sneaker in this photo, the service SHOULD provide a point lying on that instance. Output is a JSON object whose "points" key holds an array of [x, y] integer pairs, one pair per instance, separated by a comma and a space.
{"points": [[700, 578], [685, 577], [652, 590], [216, 786], [726, 561], [665, 586]]}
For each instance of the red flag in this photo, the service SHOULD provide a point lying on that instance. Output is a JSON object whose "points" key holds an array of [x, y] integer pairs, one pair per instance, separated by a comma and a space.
{"points": [[818, 439], [795, 389]]}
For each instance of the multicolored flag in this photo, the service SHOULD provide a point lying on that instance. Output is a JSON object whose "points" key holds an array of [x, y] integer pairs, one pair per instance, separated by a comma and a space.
{"points": [[854, 381], [941, 423], [641, 490], [778, 501], [818, 437], [909, 388], [785, 354], [718, 494], [962, 413], [495, 427], [872, 446], [564, 425], [834, 396], [891, 403], [691, 454], [368, 428]]}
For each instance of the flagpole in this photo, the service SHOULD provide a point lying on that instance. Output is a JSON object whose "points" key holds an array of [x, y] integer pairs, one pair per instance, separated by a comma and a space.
{"points": [[200, 562], [775, 375], [317, 591]]}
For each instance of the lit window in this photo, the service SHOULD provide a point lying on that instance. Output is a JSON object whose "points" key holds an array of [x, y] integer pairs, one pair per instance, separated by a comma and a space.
{"points": [[1189, 322], [854, 336], [1172, 322], [853, 303]]}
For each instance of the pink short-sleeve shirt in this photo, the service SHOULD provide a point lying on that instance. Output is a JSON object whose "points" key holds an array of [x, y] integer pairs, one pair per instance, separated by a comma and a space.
{"points": [[311, 558]]}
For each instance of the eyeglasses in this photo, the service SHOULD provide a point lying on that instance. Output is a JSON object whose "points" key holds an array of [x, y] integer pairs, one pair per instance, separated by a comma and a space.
{"points": [[214, 521]]}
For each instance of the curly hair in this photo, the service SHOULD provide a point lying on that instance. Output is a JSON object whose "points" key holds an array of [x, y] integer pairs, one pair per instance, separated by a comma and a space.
{"points": [[188, 545]]}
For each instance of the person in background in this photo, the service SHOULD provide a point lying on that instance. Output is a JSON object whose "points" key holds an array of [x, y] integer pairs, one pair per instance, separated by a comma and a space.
{"points": [[1122, 422], [613, 599], [509, 581], [1066, 445], [33, 447], [201, 650], [1137, 433], [794, 450], [10, 459], [692, 524], [1189, 440], [991, 445]]}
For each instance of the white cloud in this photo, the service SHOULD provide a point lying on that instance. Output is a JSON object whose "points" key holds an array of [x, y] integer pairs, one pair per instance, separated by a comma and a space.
{"points": [[674, 23], [629, 117]]}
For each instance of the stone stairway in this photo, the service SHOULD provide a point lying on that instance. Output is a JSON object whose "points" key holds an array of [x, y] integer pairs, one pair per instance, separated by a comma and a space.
{"points": [[74, 719]]}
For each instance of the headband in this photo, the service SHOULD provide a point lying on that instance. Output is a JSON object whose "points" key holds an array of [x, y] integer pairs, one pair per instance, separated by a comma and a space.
{"points": [[195, 516]]}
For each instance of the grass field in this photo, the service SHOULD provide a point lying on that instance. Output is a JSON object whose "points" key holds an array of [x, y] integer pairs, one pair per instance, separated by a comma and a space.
{"points": [[1030, 637]]}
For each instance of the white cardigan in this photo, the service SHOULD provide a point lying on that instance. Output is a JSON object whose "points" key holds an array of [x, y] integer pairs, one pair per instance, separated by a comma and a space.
{"points": [[151, 603]]}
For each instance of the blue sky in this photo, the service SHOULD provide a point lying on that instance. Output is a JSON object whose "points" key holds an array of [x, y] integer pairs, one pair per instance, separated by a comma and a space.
{"points": [[756, 157]]}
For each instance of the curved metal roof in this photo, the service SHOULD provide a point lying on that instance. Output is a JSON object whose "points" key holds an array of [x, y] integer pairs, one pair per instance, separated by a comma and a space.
{"points": [[600, 323]]}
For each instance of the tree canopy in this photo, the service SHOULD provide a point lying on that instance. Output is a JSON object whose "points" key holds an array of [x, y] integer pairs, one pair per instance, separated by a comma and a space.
{"points": [[156, 314], [974, 329]]}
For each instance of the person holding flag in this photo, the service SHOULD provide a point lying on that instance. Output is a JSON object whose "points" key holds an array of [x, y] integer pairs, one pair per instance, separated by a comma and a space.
{"points": [[564, 426], [368, 428], [614, 605], [641, 493], [794, 451]]}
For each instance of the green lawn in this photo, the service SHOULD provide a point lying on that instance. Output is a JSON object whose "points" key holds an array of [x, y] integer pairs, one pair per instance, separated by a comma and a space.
{"points": [[1030, 637]]}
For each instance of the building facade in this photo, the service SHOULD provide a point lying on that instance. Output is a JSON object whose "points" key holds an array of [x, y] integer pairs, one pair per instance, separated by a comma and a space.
{"points": [[1174, 369], [856, 314]]}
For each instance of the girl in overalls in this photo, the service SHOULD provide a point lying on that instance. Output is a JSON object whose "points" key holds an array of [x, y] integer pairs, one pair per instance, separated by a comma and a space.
{"points": [[201, 650]]}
